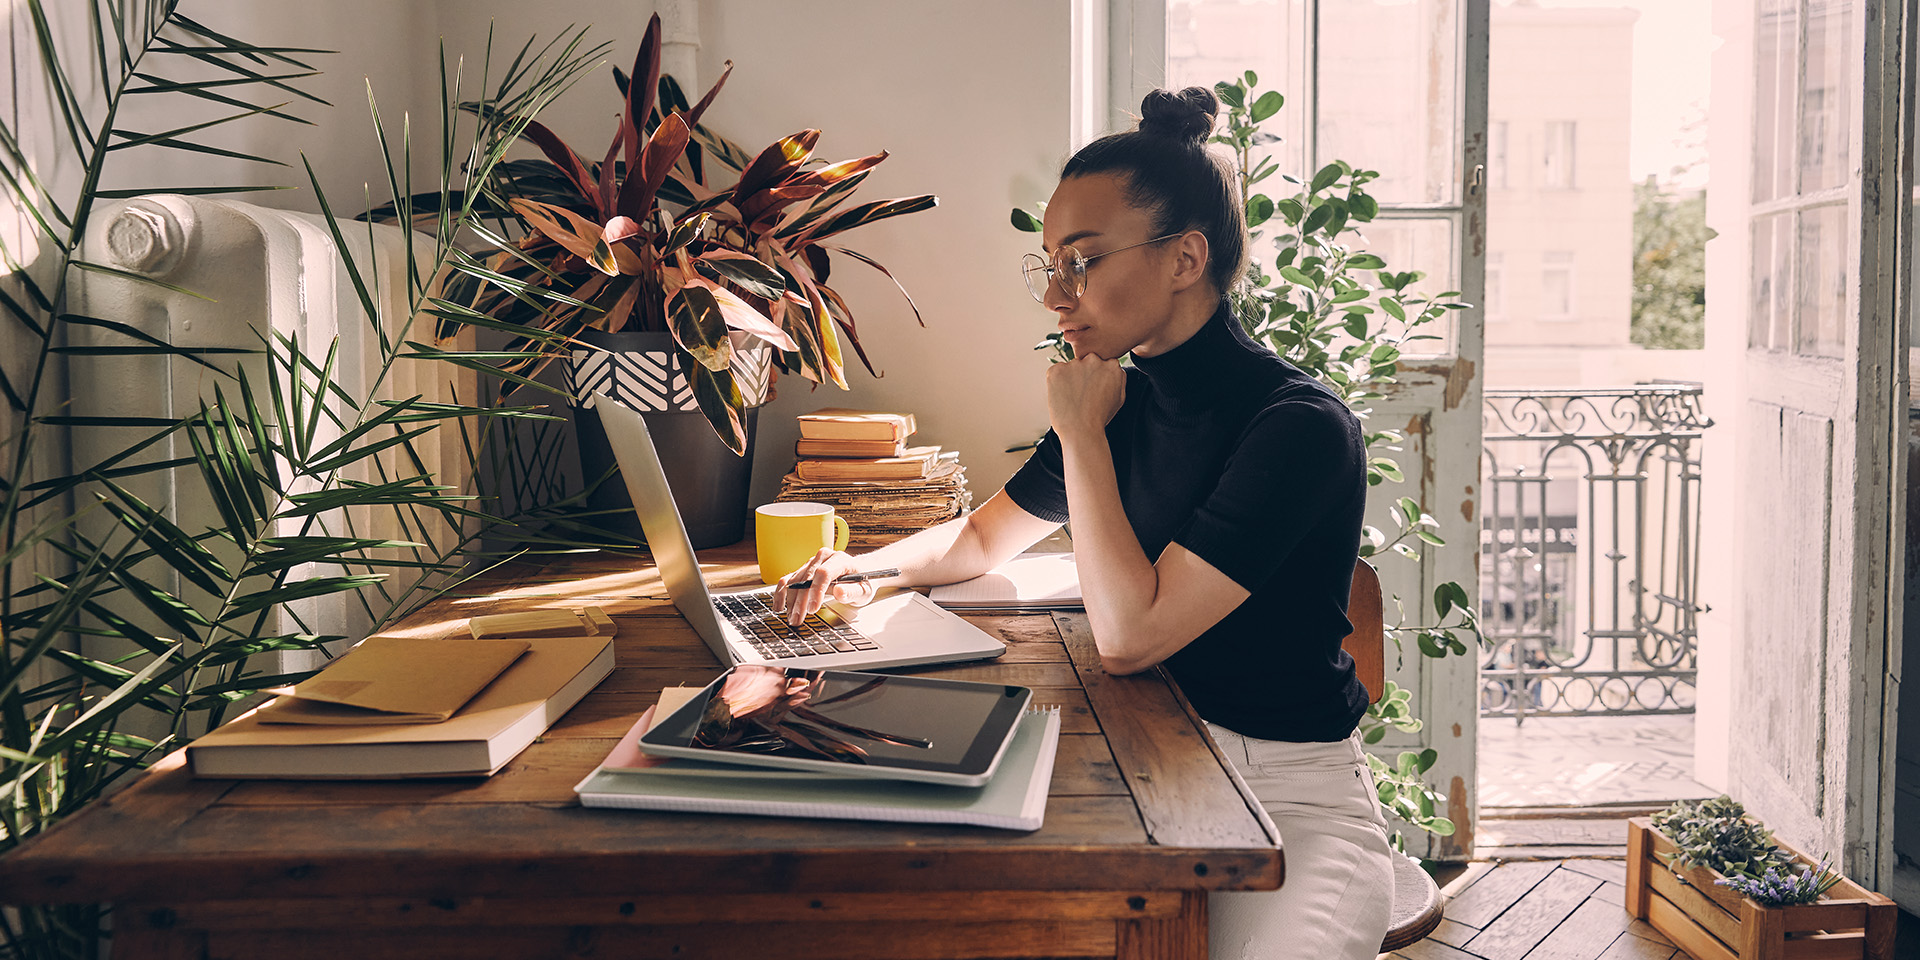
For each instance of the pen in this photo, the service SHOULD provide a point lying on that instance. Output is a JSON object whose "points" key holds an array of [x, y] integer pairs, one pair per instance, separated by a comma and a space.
{"points": [[850, 578]]}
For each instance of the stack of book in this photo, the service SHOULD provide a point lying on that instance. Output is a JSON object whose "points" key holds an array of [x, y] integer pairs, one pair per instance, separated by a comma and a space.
{"points": [[859, 462]]}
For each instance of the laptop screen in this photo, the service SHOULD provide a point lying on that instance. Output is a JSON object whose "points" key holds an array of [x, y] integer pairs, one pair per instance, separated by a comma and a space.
{"points": [[660, 518]]}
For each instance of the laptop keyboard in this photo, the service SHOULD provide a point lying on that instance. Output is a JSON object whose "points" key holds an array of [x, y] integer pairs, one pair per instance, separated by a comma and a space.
{"points": [[769, 633]]}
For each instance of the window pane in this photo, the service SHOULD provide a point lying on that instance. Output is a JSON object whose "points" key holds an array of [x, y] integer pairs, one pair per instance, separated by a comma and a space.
{"points": [[1760, 300], [1826, 109], [1558, 155], [1822, 271], [1389, 95], [1418, 244], [1782, 270], [1213, 40], [1775, 64], [1556, 285]]}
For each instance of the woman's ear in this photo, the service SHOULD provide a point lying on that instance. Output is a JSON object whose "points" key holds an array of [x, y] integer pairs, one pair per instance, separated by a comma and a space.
{"points": [[1189, 259]]}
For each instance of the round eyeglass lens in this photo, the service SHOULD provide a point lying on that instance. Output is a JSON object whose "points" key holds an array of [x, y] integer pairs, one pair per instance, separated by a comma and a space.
{"points": [[1067, 266], [1038, 273]]}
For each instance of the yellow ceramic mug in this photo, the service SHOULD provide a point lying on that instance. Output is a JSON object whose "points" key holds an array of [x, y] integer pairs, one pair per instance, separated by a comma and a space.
{"points": [[789, 534]]}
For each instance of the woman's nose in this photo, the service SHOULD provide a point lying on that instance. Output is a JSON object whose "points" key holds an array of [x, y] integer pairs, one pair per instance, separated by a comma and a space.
{"points": [[1057, 299]]}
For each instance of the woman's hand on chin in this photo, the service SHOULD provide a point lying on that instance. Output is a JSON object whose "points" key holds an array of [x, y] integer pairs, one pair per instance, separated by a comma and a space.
{"points": [[1084, 393]]}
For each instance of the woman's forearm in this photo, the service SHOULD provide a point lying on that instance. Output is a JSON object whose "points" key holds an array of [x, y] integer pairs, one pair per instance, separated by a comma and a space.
{"points": [[962, 548], [940, 554], [1117, 581]]}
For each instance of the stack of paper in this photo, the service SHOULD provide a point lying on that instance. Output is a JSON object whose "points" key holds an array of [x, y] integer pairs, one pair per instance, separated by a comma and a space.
{"points": [[1015, 799], [858, 461]]}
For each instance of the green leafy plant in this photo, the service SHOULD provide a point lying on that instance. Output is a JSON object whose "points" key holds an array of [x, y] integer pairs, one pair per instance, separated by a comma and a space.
{"points": [[1719, 835], [128, 626], [653, 244], [1338, 312]]}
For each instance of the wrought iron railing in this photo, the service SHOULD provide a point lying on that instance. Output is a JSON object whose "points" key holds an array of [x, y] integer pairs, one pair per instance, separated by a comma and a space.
{"points": [[1589, 550]]}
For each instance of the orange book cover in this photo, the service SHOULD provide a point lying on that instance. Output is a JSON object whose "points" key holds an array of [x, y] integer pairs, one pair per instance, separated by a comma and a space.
{"points": [[915, 464], [864, 449]]}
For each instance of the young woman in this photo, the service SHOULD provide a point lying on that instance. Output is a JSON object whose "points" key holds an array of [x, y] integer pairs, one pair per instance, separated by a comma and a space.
{"points": [[1216, 494]]}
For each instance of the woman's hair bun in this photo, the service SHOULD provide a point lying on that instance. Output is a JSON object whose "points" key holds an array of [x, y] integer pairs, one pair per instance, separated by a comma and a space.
{"points": [[1182, 115]]}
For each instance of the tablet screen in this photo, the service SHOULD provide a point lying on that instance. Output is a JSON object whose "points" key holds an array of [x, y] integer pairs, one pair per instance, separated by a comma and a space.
{"points": [[865, 719]]}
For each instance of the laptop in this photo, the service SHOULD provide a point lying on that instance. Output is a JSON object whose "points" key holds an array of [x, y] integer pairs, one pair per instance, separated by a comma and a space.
{"points": [[900, 628]]}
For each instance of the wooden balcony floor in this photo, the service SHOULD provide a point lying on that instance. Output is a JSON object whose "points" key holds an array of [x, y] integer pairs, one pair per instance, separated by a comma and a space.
{"points": [[1556, 910], [1536, 910]]}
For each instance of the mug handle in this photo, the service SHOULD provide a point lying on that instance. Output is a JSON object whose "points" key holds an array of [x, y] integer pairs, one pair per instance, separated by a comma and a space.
{"points": [[840, 532]]}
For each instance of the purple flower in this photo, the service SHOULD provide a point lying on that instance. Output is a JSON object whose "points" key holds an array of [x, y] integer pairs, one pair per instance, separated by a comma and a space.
{"points": [[1775, 888]]}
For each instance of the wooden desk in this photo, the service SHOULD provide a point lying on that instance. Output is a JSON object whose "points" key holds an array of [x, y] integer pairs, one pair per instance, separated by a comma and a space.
{"points": [[1144, 818]]}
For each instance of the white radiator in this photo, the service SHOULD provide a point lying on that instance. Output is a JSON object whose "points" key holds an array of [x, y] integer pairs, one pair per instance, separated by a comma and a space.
{"points": [[261, 270]]}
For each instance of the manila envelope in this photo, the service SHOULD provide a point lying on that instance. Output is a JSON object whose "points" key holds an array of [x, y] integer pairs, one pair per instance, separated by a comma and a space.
{"points": [[395, 680]]}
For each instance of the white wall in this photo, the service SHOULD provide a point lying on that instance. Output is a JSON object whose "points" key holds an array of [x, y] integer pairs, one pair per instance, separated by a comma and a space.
{"points": [[389, 45], [971, 100]]}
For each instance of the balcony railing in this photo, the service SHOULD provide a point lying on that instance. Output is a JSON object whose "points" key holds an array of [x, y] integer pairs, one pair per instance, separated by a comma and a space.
{"points": [[1589, 550]]}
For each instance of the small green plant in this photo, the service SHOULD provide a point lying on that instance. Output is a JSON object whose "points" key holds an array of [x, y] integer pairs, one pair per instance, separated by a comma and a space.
{"points": [[1402, 785], [1719, 835]]}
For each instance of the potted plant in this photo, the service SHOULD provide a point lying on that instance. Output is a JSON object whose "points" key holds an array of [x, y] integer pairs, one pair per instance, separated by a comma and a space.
{"points": [[682, 295], [1714, 881]]}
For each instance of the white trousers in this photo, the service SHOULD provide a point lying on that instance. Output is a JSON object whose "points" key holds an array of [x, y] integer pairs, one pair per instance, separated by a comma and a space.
{"points": [[1337, 898]]}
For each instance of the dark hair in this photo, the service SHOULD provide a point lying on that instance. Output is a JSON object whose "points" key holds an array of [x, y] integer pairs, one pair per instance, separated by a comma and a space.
{"points": [[1170, 173]]}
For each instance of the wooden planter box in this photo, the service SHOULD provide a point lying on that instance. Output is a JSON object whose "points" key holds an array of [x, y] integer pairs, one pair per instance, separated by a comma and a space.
{"points": [[1712, 922]]}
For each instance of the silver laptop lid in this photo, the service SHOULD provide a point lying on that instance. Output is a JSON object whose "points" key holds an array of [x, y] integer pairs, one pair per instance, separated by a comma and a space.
{"points": [[660, 519]]}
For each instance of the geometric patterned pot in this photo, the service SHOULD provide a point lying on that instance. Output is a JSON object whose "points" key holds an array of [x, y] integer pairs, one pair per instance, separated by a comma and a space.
{"points": [[645, 373], [642, 370]]}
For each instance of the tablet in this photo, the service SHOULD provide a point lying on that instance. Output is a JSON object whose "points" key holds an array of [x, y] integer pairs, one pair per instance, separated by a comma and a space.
{"points": [[844, 723]]}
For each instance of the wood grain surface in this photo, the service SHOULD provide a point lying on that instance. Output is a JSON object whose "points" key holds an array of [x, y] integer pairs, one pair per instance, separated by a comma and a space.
{"points": [[1143, 818]]}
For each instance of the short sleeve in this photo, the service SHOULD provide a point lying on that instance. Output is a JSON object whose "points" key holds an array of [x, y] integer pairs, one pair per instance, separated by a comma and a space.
{"points": [[1296, 463], [1040, 485]]}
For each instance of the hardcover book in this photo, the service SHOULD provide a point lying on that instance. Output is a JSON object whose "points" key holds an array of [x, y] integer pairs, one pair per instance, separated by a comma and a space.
{"points": [[849, 448], [915, 464], [517, 707], [839, 423]]}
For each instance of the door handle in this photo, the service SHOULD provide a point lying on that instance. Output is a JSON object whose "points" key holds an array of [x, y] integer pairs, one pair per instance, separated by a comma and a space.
{"points": [[1476, 179]]}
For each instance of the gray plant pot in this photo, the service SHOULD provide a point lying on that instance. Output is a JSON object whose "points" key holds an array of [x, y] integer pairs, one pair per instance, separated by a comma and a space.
{"points": [[708, 481]]}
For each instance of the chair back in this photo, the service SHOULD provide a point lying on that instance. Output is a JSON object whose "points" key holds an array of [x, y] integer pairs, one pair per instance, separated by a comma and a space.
{"points": [[1367, 644]]}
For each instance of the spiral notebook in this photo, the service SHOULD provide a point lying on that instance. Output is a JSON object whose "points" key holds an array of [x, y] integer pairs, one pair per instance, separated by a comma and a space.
{"points": [[1014, 799]]}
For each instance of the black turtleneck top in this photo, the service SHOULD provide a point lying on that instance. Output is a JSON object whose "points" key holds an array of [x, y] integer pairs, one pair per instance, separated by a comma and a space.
{"points": [[1254, 466]]}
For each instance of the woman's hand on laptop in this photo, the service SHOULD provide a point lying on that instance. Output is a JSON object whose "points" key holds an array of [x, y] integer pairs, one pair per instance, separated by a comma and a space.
{"points": [[825, 567]]}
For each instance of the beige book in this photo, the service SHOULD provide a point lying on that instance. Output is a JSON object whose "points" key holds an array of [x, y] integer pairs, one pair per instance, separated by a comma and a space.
{"points": [[915, 464], [583, 622], [397, 680], [517, 707], [839, 423], [849, 448]]}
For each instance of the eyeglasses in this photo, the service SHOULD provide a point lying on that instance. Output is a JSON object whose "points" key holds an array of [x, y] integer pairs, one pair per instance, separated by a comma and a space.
{"points": [[1069, 267]]}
